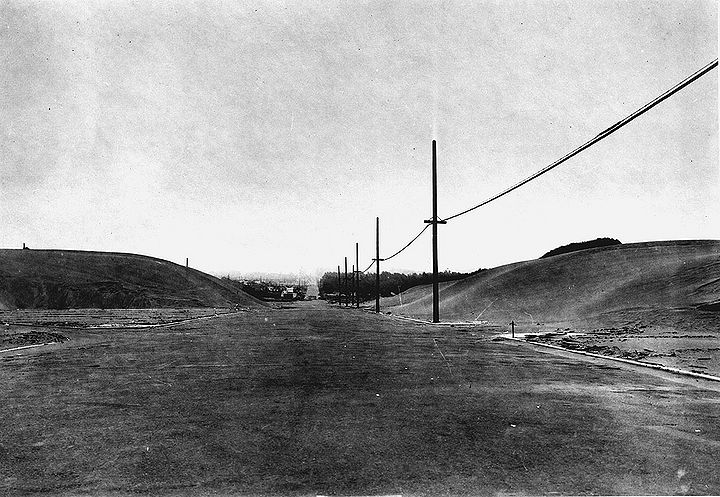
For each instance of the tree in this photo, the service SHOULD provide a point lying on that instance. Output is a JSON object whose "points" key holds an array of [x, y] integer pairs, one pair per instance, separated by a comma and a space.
{"points": [[390, 283]]}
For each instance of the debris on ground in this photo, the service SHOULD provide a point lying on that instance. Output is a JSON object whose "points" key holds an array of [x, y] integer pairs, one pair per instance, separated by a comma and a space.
{"points": [[33, 338]]}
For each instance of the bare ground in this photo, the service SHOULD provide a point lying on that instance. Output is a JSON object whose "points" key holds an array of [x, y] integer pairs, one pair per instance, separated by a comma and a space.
{"points": [[687, 340], [318, 400]]}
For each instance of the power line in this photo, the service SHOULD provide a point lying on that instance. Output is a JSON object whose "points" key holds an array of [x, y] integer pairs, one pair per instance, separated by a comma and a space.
{"points": [[398, 252], [600, 136], [408, 244]]}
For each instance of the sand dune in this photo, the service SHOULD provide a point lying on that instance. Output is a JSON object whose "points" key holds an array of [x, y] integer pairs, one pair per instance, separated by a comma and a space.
{"points": [[77, 279], [579, 285]]}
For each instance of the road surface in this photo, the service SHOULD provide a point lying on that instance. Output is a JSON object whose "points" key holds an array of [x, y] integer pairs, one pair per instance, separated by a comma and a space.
{"points": [[314, 399]]}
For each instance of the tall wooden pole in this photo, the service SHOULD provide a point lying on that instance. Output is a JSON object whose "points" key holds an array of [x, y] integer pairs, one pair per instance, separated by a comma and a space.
{"points": [[436, 297], [357, 276], [434, 221], [377, 264]]}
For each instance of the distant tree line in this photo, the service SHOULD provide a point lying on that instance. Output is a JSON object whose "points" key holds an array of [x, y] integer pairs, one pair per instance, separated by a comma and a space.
{"points": [[574, 247], [390, 283]]}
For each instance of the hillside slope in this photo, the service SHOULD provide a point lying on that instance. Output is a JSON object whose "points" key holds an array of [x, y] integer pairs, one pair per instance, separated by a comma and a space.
{"points": [[59, 279], [652, 281]]}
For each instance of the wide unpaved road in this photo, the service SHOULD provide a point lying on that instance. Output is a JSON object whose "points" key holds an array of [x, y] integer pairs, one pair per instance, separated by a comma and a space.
{"points": [[318, 400]]}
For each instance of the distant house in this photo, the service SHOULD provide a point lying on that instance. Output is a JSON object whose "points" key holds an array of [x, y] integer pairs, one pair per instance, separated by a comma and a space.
{"points": [[288, 293], [313, 292]]}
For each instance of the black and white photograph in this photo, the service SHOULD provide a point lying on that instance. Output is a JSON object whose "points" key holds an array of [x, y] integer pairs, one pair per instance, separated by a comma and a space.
{"points": [[385, 248]]}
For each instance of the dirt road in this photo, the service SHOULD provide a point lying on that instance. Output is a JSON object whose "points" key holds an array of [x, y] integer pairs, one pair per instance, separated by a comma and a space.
{"points": [[320, 400]]}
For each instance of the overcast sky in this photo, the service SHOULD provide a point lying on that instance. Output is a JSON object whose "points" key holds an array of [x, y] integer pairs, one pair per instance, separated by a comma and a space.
{"points": [[267, 136]]}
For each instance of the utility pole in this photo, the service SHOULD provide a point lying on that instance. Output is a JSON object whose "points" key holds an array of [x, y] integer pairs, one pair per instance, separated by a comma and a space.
{"points": [[434, 221], [357, 276], [339, 287], [346, 284], [377, 264]]}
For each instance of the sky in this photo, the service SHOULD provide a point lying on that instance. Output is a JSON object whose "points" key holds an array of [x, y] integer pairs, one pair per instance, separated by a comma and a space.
{"points": [[268, 136]]}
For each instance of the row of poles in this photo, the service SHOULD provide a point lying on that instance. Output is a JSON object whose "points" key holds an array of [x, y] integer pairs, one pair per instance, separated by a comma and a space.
{"points": [[435, 221], [349, 285]]}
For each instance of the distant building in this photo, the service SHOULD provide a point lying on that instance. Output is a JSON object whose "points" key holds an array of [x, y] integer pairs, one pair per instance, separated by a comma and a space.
{"points": [[313, 292], [288, 293]]}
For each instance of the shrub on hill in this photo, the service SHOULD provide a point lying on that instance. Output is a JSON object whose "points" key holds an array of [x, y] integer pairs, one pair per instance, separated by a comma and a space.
{"points": [[574, 247]]}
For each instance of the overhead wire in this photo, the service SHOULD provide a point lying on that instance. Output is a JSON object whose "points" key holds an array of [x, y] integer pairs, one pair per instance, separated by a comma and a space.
{"points": [[371, 265], [600, 136], [408, 244], [604, 134], [398, 252]]}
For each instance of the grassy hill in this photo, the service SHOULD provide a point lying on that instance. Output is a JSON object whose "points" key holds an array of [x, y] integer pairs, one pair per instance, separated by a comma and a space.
{"points": [[59, 279], [660, 283]]}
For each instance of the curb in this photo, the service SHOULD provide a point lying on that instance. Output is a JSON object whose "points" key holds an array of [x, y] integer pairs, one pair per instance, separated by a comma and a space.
{"points": [[130, 326], [161, 325], [422, 321], [26, 347], [667, 369], [658, 367], [136, 327]]}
